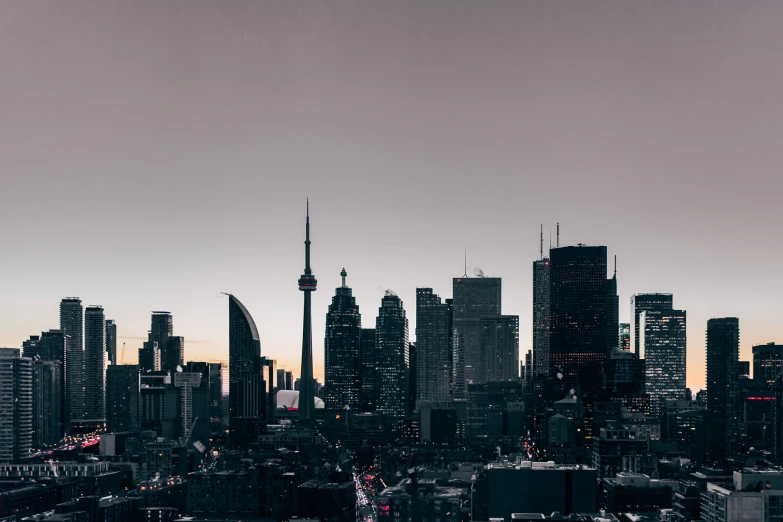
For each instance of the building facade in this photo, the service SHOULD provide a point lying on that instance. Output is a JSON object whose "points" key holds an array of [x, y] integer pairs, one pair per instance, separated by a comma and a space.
{"points": [[94, 366], [16, 405], [392, 363], [433, 344], [722, 356], [342, 344], [641, 303], [662, 340], [122, 397], [541, 316], [246, 376], [499, 343], [72, 326]]}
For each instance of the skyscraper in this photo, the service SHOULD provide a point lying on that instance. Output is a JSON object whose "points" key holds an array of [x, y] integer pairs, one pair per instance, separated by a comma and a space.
{"points": [[16, 405], [499, 341], [662, 339], [289, 380], [578, 315], [149, 357], [768, 362], [433, 344], [122, 397], [391, 363], [307, 284], [72, 326], [47, 401], [367, 357], [173, 354], [162, 328], [541, 315], [342, 365], [216, 392], [474, 298], [280, 381], [722, 357], [612, 312], [246, 376], [624, 336], [94, 366], [111, 341], [50, 346], [640, 303]]}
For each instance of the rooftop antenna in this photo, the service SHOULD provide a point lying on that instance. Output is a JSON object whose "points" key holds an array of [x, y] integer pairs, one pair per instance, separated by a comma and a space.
{"points": [[615, 266], [550, 242], [466, 262], [542, 241], [558, 235], [343, 274]]}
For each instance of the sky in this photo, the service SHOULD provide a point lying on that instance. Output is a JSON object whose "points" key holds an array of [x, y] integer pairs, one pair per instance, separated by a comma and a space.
{"points": [[154, 154]]}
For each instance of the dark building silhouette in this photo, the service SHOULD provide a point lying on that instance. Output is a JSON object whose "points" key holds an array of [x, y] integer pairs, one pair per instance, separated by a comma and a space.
{"points": [[94, 366], [768, 362], [578, 315], [367, 356], [72, 326], [122, 397], [173, 354], [624, 336], [342, 364], [51, 346], [307, 284], [149, 357], [662, 340], [162, 327], [474, 298], [722, 376], [392, 363], [47, 401], [216, 392], [413, 358], [111, 341], [246, 376], [541, 314], [641, 303], [433, 344], [612, 312], [499, 343]]}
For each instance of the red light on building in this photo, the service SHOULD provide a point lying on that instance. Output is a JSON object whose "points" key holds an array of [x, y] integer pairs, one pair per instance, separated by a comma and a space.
{"points": [[761, 398]]}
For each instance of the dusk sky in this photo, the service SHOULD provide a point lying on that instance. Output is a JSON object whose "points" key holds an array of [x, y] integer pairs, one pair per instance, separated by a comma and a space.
{"points": [[154, 154]]}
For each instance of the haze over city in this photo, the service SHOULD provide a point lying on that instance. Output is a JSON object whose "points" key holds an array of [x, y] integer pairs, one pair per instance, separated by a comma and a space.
{"points": [[152, 157]]}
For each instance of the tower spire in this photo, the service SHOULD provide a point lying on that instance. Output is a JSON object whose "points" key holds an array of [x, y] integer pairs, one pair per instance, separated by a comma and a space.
{"points": [[307, 284], [542, 242], [615, 266], [558, 235], [466, 262], [343, 274]]}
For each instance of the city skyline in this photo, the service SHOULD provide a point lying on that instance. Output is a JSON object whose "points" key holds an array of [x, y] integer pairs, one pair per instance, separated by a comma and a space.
{"points": [[459, 126]]}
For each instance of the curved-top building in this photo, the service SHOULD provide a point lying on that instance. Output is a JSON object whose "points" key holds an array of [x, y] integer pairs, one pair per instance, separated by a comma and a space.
{"points": [[246, 406]]}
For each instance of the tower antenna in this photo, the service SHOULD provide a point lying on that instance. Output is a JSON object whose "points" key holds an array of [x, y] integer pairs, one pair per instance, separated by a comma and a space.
{"points": [[615, 266], [466, 262], [542, 242], [558, 235]]}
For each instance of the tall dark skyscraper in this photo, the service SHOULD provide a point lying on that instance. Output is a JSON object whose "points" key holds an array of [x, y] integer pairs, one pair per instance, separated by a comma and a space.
{"points": [[722, 357], [612, 312], [47, 401], [392, 363], [122, 397], [16, 405], [307, 284], [162, 328], [541, 315], [246, 376], [111, 341], [474, 298], [342, 364], [663, 341], [94, 366], [173, 354], [149, 357], [768, 362], [640, 303], [499, 341], [72, 326], [433, 345], [367, 356], [216, 392], [578, 315]]}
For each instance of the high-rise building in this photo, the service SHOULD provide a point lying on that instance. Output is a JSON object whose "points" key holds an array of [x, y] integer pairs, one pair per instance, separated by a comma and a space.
{"points": [[289, 380], [162, 328], [624, 336], [662, 339], [367, 356], [280, 379], [94, 366], [541, 315], [768, 362], [149, 357], [246, 376], [433, 344], [16, 405], [47, 400], [122, 397], [529, 365], [72, 326], [342, 366], [216, 392], [391, 363], [722, 357], [412, 372], [640, 303], [307, 284], [51, 346], [612, 312], [578, 315], [499, 342], [111, 341], [474, 298], [173, 354]]}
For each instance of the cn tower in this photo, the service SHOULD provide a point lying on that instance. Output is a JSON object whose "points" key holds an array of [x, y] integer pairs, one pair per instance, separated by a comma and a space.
{"points": [[307, 284]]}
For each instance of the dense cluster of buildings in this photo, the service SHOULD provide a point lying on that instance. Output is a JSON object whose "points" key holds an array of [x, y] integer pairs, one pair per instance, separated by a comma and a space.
{"points": [[595, 423]]}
